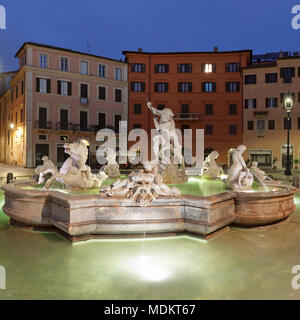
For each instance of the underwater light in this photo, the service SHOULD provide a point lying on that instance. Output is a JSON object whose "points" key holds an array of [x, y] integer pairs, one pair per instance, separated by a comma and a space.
{"points": [[150, 269]]}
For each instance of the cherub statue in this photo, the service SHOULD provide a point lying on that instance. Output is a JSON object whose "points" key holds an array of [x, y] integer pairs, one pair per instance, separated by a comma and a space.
{"points": [[210, 168]]}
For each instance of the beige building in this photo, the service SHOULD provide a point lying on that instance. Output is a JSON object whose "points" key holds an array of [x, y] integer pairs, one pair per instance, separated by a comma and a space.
{"points": [[266, 84], [59, 95]]}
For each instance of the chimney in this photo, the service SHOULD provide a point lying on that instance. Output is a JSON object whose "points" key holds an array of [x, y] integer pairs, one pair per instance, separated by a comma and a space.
{"points": [[140, 50], [216, 49]]}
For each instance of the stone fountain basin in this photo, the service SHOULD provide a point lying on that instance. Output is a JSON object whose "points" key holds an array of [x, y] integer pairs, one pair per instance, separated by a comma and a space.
{"points": [[81, 217]]}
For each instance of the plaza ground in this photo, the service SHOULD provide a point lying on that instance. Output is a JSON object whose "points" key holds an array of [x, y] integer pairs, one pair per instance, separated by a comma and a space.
{"points": [[238, 264]]}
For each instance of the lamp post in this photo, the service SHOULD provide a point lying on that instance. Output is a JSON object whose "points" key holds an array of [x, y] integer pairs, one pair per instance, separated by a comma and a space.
{"points": [[288, 106]]}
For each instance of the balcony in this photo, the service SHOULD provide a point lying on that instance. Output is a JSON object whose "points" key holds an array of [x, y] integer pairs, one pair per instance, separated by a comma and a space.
{"points": [[64, 126], [81, 127], [84, 101], [260, 133], [186, 116], [43, 125]]}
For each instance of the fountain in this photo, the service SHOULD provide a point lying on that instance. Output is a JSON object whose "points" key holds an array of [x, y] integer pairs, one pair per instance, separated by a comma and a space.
{"points": [[148, 201]]}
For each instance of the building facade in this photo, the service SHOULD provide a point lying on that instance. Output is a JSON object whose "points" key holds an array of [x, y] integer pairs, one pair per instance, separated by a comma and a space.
{"points": [[204, 90], [60, 95], [266, 85]]}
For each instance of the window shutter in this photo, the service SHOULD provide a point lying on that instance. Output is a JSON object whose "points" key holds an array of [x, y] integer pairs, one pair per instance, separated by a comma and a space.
{"points": [[293, 72], [238, 66], [203, 86], [37, 84], [276, 102], [69, 88], [132, 67], [143, 86], [156, 68], [267, 102], [281, 72], [143, 67], [132, 86], [167, 68], [227, 67], [167, 87], [246, 103], [214, 87], [48, 86], [190, 67], [178, 67], [203, 67], [155, 87], [179, 86], [281, 97], [298, 71], [227, 86], [58, 87], [190, 87], [254, 103], [214, 68]]}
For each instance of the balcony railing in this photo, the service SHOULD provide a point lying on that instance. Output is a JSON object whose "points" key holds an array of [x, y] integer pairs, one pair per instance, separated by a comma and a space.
{"points": [[260, 133], [64, 126], [43, 124], [186, 116], [81, 127]]}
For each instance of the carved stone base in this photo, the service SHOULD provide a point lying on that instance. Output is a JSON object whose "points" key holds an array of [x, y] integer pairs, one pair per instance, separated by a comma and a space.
{"points": [[112, 170], [173, 175]]}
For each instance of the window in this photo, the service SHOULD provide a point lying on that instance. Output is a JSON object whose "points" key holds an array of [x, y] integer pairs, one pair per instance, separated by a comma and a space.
{"points": [[102, 71], [161, 68], [43, 61], [138, 86], [22, 115], [43, 85], [64, 138], [260, 125], [22, 87], [137, 108], [232, 129], [137, 126], [138, 67], [271, 124], [161, 87], [208, 87], [208, 129], [271, 77], [184, 127], [298, 123], [64, 119], [101, 120], [208, 67], [287, 123], [184, 67], [83, 121], [250, 125], [208, 109], [184, 86], [64, 88], [102, 93], [232, 109], [83, 67], [64, 64], [42, 137], [118, 95], [42, 118], [232, 67], [287, 74], [271, 102], [83, 90], [17, 92], [250, 79], [118, 74], [250, 103], [185, 108], [117, 119]]}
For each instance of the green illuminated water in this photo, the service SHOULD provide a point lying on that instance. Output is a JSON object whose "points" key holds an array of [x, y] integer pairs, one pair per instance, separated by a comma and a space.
{"points": [[239, 264]]}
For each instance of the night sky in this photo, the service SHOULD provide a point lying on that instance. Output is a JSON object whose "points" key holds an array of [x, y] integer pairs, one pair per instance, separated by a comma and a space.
{"points": [[110, 26]]}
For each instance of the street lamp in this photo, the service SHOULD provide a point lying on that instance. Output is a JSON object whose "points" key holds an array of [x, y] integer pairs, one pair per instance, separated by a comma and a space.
{"points": [[288, 106]]}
